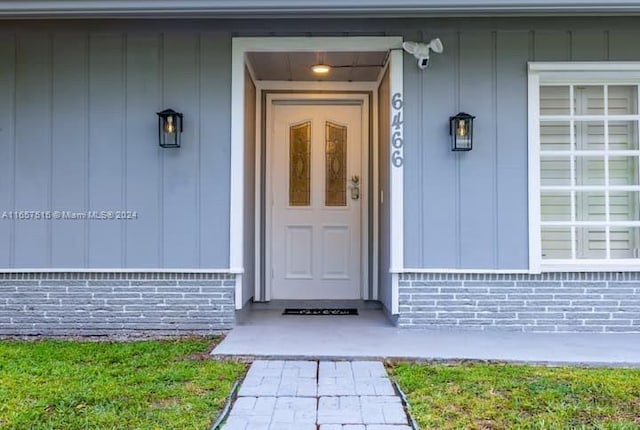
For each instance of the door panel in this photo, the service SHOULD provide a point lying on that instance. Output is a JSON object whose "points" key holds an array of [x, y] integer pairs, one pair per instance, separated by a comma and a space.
{"points": [[315, 179], [335, 252], [299, 252]]}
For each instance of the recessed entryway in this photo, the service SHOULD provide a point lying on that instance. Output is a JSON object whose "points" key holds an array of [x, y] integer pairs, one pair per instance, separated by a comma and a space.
{"points": [[308, 161]]}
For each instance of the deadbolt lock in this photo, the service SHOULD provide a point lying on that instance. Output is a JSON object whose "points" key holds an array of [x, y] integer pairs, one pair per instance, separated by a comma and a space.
{"points": [[355, 187]]}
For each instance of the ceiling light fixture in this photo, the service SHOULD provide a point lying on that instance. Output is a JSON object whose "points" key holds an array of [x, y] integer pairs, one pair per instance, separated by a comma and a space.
{"points": [[320, 69]]}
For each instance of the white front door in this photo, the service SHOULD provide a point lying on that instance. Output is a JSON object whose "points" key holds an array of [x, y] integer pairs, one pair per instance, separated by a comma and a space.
{"points": [[316, 201]]}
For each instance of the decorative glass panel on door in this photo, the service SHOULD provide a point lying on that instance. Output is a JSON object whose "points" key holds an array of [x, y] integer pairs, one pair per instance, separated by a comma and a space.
{"points": [[300, 164], [335, 165]]}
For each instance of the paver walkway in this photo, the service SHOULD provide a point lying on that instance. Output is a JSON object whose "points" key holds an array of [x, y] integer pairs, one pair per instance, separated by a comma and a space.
{"points": [[310, 395]]}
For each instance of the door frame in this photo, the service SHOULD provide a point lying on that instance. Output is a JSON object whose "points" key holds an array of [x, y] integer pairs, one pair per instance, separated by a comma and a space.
{"points": [[312, 98]]}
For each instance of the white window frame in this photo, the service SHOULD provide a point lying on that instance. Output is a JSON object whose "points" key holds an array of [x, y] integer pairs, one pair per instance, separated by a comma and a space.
{"points": [[569, 73]]}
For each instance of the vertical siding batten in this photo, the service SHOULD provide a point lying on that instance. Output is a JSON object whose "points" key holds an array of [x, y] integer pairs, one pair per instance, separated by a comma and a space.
{"points": [[69, 142], [161, 188], [588, 45], [198, 142], [513, 51], [87, 146], [439, 240], [105, 140], [458, 217], [477, 210], [422, 100], [7, 144], [143, 187], [496, 153], [123, 150], [411, 152], [553, 45], [32, 146], [216, 149], [49, 204], [180, 91], [623, 44]]}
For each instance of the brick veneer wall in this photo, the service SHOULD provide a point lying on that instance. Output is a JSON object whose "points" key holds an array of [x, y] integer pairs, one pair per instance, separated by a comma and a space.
{"points": [[550, 302], [57, 304]]}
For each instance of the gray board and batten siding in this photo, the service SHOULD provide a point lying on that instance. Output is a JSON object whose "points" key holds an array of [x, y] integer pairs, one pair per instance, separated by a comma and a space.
{"points": [[78, 132], [77, 113], [472, 207]]}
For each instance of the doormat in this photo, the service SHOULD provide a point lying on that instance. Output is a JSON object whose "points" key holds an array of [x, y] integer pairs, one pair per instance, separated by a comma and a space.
{"points": [[320, 311]]}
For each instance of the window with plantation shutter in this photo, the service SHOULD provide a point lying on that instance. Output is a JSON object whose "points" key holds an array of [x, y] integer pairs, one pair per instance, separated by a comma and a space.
{"points": [[585, 149]]}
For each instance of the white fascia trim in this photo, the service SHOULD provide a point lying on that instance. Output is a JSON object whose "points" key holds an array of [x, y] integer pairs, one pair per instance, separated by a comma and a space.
{"points": [[396, 199], [315, 86], [535, 245], [308, 8], [596, 72], [470, 271], [395, 293], [590, 266], [312, 44], [238, 293], [236, 204], [583, 66], [116, 270]]}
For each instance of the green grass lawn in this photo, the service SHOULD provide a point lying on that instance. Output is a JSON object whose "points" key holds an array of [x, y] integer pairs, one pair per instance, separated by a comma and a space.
{"points": [[99, 385], [494, 396]]}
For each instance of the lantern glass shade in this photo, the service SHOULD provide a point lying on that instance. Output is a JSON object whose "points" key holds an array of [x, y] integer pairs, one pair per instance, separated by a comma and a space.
{"points": [[461, 131], [169, 128]]}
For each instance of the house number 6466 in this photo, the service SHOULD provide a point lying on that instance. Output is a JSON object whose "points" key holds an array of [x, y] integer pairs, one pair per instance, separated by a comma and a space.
{"points": [[397, 140]]}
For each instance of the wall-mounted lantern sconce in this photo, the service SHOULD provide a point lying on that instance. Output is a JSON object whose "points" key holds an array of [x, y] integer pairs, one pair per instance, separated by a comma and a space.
{"points": [[461, 131], [169, 128]]}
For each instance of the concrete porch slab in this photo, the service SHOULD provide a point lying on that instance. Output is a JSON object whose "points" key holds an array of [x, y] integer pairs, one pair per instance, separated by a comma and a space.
{"points": [[370, 336]]}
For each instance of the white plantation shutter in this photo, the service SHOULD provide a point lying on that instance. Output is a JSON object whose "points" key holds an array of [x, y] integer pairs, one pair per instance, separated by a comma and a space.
{"points": [[599, 168], [590, 206], [555, 170], [623, 206]]}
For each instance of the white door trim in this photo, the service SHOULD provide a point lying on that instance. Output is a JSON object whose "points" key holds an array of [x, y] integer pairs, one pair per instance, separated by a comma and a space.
{"points": [[242, 45], [310, 87], [312, 98]]}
